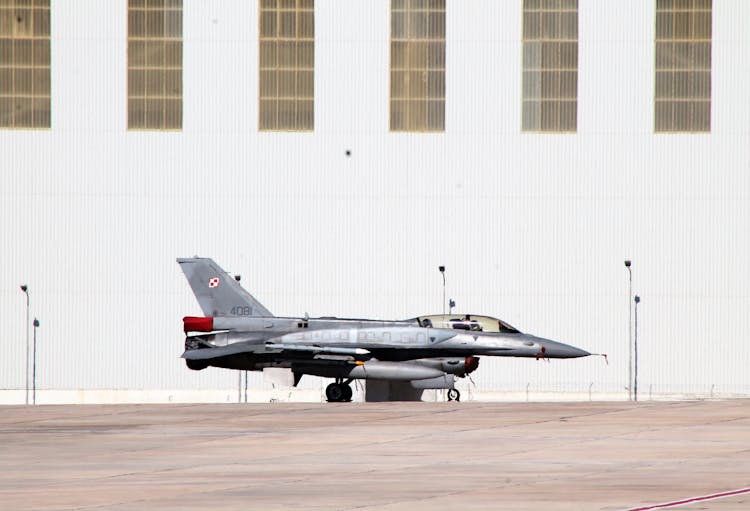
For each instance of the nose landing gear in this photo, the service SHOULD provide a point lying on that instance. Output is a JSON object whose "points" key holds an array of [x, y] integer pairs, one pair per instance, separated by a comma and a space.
{"points": [[454, 395], [339, 392]]}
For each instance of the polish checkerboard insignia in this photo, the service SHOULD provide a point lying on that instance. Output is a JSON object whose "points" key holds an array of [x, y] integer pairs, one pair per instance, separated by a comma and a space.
{"points": [[213, 282]]}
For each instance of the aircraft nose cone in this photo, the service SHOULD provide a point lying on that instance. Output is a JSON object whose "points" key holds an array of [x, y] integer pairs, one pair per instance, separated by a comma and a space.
{"points": [[554, 349]]}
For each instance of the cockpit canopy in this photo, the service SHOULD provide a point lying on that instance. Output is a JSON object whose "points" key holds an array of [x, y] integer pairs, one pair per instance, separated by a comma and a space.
{"points": [[468, 322]]}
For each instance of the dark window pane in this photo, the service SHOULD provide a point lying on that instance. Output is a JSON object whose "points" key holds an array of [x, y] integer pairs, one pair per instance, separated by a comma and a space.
{"points": [[154, 24], [22, 48], [306, 54], [435, 115], [41, 113], [136, 83], [417, 84], [268, 116], [550, 56], [6, 83], [436, 84], [154, 114], [664, 84], [305, 84], [664, 21], [531, 116], [41, 22], [287, 115], [6, 52], [417, 115], [399, 84], [23, 113], [268, 84], [154, 83], [173, 54], [288, 25], [136, 53], [398, 55], [398, 115], [664, 55], [568, 115], [306, 25], [173, 114], [173, 83], [306, 114], [268, 24], [22, 82], [136, 113], [41, 52], [550, 116], [173, 24]]}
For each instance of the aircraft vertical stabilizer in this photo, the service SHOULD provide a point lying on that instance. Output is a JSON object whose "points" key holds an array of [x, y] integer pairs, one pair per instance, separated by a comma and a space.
{"points": [[217, 292]]}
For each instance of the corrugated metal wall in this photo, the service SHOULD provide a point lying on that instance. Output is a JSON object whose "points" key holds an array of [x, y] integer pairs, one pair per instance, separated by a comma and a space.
{"points": [[532, 228]]}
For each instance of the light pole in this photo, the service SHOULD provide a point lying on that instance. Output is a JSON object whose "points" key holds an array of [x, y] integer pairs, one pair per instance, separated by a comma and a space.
{"points": [[630, 331], [442, 272], [36, 325], [635, 387], [239, 375], [25, 290]]}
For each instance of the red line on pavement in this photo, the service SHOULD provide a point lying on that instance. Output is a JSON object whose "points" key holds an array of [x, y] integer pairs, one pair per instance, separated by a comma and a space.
{"points": [[692, 499]]}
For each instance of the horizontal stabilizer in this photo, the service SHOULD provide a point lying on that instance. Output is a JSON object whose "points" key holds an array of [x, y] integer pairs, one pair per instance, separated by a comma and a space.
{"points": [[225, 351]]}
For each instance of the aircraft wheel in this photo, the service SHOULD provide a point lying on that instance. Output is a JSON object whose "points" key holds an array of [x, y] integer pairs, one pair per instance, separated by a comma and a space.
{"points": [[335, 392], [347, 392], [454, 395]]}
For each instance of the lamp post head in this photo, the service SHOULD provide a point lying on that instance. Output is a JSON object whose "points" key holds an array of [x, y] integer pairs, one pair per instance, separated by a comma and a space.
{"points": [[24, 288], [637, 299], [36, 323], [627, 263], [442, 269]]}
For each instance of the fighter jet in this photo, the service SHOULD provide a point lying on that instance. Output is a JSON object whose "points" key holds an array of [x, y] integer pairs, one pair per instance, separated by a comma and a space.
{"points": [[429, 352]]}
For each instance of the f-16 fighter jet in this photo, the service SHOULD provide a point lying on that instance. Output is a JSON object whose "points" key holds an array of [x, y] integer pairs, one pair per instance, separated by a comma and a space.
{"points": [[238, 332]]}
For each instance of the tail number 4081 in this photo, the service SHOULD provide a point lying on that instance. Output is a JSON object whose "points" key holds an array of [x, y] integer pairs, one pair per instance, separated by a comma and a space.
{"points": [[241, 310]]}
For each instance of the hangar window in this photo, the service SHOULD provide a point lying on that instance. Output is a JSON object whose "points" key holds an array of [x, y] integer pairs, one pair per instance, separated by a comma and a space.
{"points": [[287, 65], [682, 92], [155, 64], [24, 64], [550, 65], [417, 65]]}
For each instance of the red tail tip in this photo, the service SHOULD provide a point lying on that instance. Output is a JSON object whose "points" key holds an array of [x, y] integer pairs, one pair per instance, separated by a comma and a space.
{"points": [[197, 324]]}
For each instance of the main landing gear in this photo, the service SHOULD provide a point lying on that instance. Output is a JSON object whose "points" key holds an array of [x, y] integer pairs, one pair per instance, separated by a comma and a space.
{"points": [[339, 392], [454, 395]]}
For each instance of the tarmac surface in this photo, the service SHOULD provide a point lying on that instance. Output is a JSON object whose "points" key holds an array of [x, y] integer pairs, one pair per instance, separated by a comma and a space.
{"points": [[376, 456]]}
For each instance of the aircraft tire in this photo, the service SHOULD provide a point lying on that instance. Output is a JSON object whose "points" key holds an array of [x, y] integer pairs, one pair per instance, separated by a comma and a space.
{"points": [[454, 395], [347, 392], [335, 392]]}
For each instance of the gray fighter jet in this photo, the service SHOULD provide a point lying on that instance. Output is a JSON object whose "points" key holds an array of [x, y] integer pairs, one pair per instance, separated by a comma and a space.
{"points": [[237, 332]]}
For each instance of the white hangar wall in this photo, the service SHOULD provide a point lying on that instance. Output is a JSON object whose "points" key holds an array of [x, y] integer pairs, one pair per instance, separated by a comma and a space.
{"points": [[533, 228]]}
